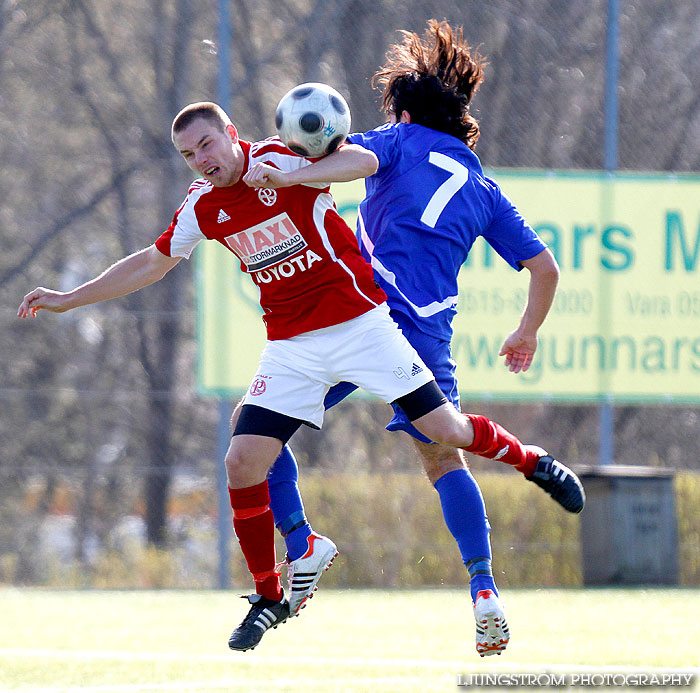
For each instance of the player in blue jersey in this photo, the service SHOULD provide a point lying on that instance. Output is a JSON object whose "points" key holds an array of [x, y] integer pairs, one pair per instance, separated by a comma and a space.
{"points": [[425, 206]]}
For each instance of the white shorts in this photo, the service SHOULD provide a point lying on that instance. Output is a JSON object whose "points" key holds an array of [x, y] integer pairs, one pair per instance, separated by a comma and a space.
{"points": [[370, 351]]}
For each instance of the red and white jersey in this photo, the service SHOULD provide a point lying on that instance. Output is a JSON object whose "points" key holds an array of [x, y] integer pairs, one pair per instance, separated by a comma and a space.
{"points": [[297, 249]]}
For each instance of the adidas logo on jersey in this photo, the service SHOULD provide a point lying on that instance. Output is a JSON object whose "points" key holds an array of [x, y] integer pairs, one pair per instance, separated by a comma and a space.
{"points": [[416, 369], [222, 217]]}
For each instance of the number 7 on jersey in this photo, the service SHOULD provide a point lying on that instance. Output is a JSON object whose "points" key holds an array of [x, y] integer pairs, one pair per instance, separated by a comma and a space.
{"points": [[447, 190]]}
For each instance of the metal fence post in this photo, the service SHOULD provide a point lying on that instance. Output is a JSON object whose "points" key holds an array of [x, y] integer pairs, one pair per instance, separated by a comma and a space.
{"points": [[606, 448], [225, 518], [224, 433]]}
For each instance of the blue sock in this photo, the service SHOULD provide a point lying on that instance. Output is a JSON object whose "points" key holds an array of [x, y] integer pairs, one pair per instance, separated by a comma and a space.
{"points": [[465, 517], [286, 504]]}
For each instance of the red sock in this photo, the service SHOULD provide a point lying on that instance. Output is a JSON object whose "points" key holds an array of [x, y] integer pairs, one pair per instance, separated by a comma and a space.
{"points": [[255, 529], [493, 441]]}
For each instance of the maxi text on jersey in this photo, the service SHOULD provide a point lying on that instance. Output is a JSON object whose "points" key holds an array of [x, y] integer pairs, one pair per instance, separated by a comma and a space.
{"points": [[272, 242]]}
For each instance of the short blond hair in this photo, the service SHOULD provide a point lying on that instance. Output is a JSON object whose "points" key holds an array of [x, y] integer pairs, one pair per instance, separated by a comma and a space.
{"points": [[202, 109]]}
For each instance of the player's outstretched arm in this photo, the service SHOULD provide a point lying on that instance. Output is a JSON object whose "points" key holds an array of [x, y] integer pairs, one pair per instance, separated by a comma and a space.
{"points": [[521, 344], [129, 274], [348, 163]]}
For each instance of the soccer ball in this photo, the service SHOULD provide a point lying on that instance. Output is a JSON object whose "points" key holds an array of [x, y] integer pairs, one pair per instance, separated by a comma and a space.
{"points": [[312, 119]]}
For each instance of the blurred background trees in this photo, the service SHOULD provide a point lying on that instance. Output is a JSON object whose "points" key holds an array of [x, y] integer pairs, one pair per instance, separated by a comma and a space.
{"points": [[102, 401]]}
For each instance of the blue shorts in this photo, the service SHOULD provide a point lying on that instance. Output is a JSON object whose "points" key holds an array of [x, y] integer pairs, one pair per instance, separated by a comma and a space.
{"points": [[436, 354]]}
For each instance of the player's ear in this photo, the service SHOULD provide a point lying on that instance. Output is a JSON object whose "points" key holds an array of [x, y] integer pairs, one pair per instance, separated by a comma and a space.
{"points": [[231, 129], [405, 117]]}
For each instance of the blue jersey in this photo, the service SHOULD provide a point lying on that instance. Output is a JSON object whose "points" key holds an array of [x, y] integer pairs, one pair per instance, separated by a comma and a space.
{"points": [[424, 208]]}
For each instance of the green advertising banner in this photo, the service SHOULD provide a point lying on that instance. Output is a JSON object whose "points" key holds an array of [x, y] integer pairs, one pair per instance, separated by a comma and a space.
{"points": [[625, 323]]}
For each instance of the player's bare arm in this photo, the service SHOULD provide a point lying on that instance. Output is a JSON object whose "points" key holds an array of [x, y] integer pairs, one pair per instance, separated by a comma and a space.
{"points": [[521, 344], [125, 276], [347, 163]]}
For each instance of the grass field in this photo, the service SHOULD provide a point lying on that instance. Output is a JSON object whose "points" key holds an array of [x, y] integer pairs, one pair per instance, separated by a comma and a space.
{"points": [[346, 640]]}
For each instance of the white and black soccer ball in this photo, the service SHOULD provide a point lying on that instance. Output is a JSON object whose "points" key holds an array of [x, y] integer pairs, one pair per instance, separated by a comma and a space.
{"points": [[312, 119]]}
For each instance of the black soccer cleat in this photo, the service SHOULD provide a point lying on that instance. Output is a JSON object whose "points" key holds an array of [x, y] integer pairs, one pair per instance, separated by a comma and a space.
{"points": [[264, 613], [558, 481]]}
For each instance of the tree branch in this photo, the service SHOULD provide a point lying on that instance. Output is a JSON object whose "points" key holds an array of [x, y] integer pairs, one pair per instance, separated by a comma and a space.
{"points": [[115, 74], [77, 213]]}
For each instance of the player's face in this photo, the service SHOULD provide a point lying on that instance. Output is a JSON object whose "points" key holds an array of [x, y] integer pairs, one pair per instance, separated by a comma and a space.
{"points": [[211, 153]]}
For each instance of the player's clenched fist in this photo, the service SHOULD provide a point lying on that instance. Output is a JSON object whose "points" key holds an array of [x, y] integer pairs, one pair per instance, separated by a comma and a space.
{"points": [[264, 176], [47, 299]]}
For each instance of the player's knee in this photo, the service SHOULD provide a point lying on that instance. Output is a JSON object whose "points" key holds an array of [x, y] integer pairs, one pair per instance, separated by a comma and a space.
{"points": [[447, 426], [233, 463], [240, 462], [451, 433]]}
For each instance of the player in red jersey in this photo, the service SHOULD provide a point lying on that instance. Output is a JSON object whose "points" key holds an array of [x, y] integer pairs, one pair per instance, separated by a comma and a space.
{"points": [[327, 320]]}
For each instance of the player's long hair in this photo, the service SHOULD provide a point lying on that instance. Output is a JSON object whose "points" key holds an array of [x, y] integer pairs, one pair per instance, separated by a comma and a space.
{"points": [[434, 79]]}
